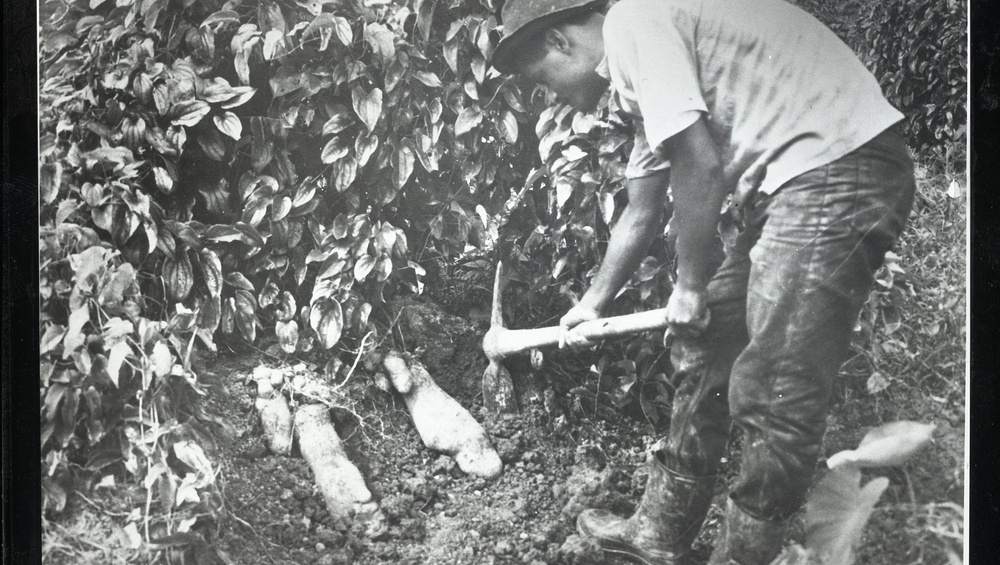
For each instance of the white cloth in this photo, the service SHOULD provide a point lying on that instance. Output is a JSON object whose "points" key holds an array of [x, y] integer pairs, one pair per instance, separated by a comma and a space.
{"points": [[781, 92]]}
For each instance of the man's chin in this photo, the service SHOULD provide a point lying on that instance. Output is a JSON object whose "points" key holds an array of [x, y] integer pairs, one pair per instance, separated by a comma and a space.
{"points": [[590, 103]]}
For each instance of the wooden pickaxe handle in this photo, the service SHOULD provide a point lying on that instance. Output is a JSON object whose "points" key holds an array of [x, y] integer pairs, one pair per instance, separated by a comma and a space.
{"points": [[500, 342]]}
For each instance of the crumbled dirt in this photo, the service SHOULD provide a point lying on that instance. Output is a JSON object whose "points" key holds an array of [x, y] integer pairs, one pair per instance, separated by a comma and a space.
{"points": [[559, 459]]}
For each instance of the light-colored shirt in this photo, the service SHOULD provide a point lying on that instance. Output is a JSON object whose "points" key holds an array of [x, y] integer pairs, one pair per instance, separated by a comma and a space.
{"points": [[782, 94]]}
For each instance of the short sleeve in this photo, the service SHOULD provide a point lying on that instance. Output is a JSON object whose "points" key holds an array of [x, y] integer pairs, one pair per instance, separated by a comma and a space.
{"points": [[643, 161], [653, 68]]}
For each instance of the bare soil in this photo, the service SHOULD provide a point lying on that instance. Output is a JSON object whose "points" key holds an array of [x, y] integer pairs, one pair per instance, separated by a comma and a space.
{"points": [[565, 452]]}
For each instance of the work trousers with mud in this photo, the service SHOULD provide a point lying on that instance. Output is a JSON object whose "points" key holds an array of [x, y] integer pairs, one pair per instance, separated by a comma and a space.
{"points": [[783, 308]]}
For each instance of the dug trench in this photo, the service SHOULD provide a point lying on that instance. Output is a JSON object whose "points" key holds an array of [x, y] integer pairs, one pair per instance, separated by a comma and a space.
{"points": [[560, 456]]}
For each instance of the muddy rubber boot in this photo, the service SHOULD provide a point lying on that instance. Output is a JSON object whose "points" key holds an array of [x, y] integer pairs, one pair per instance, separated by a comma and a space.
{"points": [[663, 527], [745, 540]]}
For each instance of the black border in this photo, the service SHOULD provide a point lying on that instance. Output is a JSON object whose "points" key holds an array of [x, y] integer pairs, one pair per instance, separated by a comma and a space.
{"points": [[19, 197], [22, 522], [984, 396]]}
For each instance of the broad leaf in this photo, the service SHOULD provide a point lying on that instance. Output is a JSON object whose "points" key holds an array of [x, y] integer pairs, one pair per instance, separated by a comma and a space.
{"points": [[288, 335], [115, 359], [178, 276], [74, 333], [468, 119], [161, 359], [340, 119], [188, 113], [326, 319], [405, 161], [885, 446], [368, 106], [237, 280], [428, 78], [836, 514], [344, 173], [163, 180], [241, 95], [508, 127], [220, 17], [335, 149], [211, 269], [364, 148], [382, 41], [363, 267], [229, 124]]}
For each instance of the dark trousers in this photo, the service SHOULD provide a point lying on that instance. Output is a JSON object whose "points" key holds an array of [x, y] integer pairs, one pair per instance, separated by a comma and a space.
{"points": [[783, 306]]}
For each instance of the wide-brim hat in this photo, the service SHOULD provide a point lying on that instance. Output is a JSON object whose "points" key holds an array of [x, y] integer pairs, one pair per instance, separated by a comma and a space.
{"points": [[524, 18]]}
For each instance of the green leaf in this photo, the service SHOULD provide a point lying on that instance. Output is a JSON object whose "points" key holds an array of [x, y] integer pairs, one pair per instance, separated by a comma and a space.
{"points": [[344, 173], [287, 79], [221, 17], [405, 161], [383, 267], [188, 113], [270, 18], [326, 319], [245, 316], [161, 359], [215, 90], [74, 333], [340, 119], [425, 17], [368, 106], [274, 44], [115, 359], [210, 314], [222, 233], [836, 514], [50, 178], [508, 126], [468, 119], [363, 267], [237, 280], [211, 268], [52, 337], [304, 194], [428, 78], [887, 445], [286, 307], [364, 148], [336, 149], [229, 124], [241, 95], [163, 180], [178, 276], [382, 41], [288, 335], [280, 207], [343, 30]]}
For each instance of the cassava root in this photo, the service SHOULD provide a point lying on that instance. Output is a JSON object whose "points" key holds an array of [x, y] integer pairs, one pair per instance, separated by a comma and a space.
{"points": [[443, 424]]}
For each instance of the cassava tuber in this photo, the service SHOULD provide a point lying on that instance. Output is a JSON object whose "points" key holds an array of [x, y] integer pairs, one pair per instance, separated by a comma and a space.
{"points": [[443, 424], [275, 417], [339, 481]]}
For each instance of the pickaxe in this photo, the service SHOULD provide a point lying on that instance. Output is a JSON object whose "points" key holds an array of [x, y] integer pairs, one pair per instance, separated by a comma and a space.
{"points": [[499, 342]]}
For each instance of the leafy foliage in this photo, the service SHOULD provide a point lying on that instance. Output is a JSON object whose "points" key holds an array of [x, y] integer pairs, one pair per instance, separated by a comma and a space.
{"points": [[117, 388], [917, 50], [213, 169]]}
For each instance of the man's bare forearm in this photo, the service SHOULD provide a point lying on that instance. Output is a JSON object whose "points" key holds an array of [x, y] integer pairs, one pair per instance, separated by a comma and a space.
{"points": [[698, 192], [639, 224]]}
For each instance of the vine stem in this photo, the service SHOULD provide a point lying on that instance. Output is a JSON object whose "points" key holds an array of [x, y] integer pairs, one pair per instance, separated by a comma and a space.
{"points": [[361, 350]]}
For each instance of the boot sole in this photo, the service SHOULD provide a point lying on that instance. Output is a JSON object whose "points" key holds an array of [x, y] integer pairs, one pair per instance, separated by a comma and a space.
{"points": [[618, 548]]}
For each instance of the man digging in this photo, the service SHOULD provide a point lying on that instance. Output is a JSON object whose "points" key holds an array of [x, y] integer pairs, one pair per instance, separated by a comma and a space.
{"points": [[756, 100]]}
